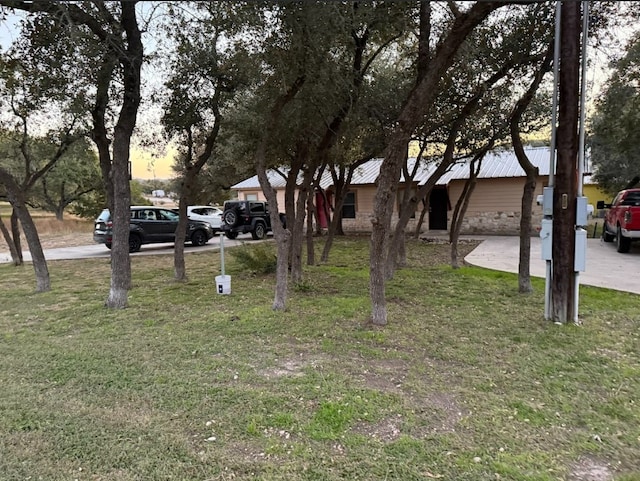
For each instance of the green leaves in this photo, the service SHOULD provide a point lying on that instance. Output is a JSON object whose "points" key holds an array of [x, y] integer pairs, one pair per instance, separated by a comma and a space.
{"points": [[615, 127]]}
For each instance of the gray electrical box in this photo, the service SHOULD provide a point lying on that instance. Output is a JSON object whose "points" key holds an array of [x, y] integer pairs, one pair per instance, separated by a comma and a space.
{"points": [[581, 211], [547, 201], [580, 260], [546, 238]]}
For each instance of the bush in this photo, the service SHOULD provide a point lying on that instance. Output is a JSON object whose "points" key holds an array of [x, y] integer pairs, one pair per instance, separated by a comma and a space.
{"points": [[258, 258]]}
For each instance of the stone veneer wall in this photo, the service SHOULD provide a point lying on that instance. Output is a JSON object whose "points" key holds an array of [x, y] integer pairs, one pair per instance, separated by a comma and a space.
{"points": [[485, 223], [497, 223]]}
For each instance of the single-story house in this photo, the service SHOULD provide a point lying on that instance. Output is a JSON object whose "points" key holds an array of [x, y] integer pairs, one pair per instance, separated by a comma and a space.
{"points": [[494, 207]]}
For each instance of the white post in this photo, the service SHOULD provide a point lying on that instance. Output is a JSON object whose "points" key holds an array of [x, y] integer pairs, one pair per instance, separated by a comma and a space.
{"points": [[222, 252]]}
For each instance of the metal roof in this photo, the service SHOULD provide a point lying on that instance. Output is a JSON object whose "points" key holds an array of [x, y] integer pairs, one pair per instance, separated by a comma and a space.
{"points": [[498, 164]]}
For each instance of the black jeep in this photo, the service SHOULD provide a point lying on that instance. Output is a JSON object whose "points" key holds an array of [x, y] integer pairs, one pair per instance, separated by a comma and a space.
{"points": [[241, 216]]}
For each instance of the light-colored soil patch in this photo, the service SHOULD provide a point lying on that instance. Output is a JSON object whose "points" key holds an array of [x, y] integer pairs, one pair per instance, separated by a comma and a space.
{"points": [[386, 375], [290, 368], [387, 430], [588, 469], [446, 411]]}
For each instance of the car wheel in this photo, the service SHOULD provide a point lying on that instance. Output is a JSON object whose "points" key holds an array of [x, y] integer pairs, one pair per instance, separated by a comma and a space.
{"points": [[622, 243], [134, 243], [231, 217], [606, 235], [259, 232], [231, 235], [108, 245], [198, 238]]}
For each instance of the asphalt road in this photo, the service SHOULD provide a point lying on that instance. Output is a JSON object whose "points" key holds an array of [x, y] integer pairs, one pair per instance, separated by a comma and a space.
{"points": [[94, 251]]}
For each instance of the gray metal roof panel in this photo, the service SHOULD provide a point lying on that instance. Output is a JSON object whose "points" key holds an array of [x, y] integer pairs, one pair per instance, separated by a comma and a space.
{"points": [[498, 164]]}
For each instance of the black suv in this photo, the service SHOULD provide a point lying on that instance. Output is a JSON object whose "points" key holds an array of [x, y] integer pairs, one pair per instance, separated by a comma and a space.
{"points": [[149, 225], [241, 216]]}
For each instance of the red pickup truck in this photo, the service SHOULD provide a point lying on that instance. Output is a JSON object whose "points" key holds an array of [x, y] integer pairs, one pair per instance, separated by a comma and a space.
{"points": [[622, 219]]}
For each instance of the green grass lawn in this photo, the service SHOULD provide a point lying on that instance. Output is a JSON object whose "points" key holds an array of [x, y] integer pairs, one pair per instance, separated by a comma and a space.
{"points": [[467, 382]]}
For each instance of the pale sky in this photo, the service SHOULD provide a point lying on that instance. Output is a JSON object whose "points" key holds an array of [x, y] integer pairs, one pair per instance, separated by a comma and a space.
{"points": [[146, 166]]}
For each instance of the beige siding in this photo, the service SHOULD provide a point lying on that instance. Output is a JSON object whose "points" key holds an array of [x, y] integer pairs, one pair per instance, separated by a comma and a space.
{"points": [[252, 194], [364, 199], [259, 195], [494, 206], [493, 195]]}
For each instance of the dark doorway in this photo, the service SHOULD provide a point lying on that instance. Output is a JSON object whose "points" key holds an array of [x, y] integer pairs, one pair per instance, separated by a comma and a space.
{"points": [[438, 207]]}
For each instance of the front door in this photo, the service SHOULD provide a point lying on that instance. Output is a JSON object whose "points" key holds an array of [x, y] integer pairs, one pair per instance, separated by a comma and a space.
{"points": [[438, 207]]}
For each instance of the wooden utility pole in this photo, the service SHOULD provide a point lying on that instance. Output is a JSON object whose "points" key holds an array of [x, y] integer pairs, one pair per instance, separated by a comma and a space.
{"points": [[566, 182]]}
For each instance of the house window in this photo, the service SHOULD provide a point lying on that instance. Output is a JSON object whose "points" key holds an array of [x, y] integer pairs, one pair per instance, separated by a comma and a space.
{"points": [[349, 206], [250, 196]]}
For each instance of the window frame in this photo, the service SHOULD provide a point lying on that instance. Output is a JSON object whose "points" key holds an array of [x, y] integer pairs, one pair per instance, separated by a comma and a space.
{"points": [[353, 205]]}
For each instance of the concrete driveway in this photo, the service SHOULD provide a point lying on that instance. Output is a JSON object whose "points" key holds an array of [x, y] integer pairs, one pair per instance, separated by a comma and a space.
{"points": [[605, 266]]}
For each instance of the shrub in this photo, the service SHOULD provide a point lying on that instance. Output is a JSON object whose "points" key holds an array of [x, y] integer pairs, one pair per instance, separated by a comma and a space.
{"points": [[258, 258]]}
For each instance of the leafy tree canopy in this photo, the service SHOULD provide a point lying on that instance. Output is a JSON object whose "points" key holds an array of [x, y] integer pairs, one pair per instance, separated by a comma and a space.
{"points": [[615, 127]]}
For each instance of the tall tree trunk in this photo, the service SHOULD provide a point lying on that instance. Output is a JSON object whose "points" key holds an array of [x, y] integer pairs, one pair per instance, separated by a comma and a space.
{"points": [[461, 208], [191, 171], [131, 62], [394, 259], [340, 187], [335, 227], [17, 201], [531, 173], [398, 248], [16, 258], [311, 254], [40, 267], [15, 232], [524, 273], [297, 236], [295, 218], [282, 235], [381, 223], [179, 268], [423, 212]]}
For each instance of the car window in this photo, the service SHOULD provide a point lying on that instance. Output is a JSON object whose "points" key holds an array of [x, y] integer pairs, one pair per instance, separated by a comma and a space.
{"points": [[616, 200], [632, 198], [168, 215], [104, 216], [199, 211], [257, 208], [235, 205]]}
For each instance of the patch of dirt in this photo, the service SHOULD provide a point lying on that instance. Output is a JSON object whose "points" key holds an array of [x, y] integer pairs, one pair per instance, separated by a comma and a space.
{"points": [[387, 430], [244, 452], [290, 368], [385, 375], [589, 469], [446, 412], [441, 411]]}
